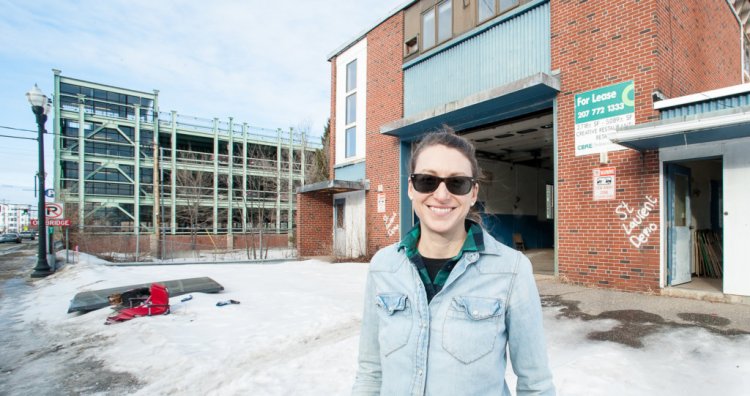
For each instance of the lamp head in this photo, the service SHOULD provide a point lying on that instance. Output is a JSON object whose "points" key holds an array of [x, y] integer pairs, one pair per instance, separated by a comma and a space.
{"points": [[36, 97]]}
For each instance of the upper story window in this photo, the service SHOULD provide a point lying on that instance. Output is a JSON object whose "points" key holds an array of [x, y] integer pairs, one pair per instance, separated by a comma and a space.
{"points": [[487, 9], [437, 24], [351, 110], [351, 76]]}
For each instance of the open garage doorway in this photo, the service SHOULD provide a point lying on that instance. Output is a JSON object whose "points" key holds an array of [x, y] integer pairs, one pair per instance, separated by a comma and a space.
{"points": [[694, 224], [516, 195]]}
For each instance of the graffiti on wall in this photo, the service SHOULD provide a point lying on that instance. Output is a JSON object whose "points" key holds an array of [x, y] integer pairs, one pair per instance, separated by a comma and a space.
{"points": [[390, 224], [635, 222]]}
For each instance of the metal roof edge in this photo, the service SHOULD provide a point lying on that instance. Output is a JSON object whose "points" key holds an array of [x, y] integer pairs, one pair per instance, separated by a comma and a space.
{"points": [[678, 125], [702, 96], [539, 78], [333, 184]]}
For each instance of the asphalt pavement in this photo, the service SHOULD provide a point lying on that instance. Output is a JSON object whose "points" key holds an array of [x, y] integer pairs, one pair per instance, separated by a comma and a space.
{"points": [[641, 314]]}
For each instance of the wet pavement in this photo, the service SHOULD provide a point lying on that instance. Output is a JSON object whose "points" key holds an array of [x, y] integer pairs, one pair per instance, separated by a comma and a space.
{"points": [[640, 315]]}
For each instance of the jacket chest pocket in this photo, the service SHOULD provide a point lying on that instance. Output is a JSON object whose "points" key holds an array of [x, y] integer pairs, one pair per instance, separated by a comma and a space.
{"points": [[471, 327], [394, 311]]}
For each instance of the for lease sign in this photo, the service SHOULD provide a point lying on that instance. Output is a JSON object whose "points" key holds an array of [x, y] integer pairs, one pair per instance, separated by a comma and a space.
{"points": [[598, 114]]}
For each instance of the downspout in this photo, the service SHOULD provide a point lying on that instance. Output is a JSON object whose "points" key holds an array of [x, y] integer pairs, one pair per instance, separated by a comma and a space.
{"points": [[742, 41]]}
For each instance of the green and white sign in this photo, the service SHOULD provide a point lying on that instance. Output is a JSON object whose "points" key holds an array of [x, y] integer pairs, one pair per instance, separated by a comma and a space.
{"points": [[599, 113]]}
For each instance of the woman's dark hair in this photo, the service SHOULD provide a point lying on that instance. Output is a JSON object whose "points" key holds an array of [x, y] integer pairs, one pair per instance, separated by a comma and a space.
{"points": [[448, 138]]}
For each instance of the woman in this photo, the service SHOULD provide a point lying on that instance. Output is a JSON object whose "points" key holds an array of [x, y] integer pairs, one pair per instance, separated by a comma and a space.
{"points": [[441, 305]]}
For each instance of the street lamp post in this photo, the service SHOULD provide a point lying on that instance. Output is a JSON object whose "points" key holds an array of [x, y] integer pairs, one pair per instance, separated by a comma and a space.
{"points": [[40, 107]]}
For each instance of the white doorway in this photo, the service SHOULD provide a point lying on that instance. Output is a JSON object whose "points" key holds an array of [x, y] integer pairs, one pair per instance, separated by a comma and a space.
{"points": [[349, 238]]}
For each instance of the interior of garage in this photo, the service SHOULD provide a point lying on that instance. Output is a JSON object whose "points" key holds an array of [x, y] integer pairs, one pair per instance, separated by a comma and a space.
{"points": [[516, 195]]}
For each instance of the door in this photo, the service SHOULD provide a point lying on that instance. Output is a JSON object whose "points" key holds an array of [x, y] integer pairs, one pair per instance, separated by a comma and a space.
{"points": [[339, 230], [679, 229]]}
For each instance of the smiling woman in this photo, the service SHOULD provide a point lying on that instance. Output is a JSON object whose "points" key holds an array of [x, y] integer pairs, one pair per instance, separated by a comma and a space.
{"points": [[473, 299]]}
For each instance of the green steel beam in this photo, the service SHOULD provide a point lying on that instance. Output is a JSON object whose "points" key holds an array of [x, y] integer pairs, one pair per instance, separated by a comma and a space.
{"points": [[216, 175], [173, 175], [244, 177], [289, 182], [81, 163], [137, 177], [278, 179], [230, 177]]}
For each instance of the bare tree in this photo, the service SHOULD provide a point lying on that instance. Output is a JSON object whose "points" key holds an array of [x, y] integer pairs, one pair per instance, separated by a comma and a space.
{"points": [[319, 167], [192, 186]]}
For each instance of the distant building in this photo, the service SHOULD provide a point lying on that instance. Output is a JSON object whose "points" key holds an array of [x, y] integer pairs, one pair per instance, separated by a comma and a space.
{"points": [[124, 168], [14, 218], [612, 134]]}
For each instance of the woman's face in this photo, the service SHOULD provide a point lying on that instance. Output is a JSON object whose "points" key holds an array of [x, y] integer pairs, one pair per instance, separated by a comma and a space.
{"points": [[440, 211]]}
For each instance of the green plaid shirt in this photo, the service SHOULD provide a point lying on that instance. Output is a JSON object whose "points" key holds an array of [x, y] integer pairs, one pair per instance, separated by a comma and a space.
{"points": [[474, 243]]}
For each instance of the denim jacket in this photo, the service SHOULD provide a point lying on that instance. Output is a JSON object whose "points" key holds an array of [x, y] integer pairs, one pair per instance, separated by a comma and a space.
{"points": [[456, 344]]}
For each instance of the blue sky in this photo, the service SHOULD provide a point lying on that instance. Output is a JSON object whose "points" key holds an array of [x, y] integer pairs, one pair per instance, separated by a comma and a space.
{"points": [[261, 62]]}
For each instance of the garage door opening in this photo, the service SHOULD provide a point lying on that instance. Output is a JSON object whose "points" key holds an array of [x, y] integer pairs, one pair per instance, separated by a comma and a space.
{"points": [[516, 194]]}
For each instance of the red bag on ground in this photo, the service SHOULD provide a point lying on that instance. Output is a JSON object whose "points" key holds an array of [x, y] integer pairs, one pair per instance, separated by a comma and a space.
{"points": [[156, 304]]}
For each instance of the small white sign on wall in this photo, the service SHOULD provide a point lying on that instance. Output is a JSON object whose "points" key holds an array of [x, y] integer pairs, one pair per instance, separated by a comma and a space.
{"points": [[604, 183], [381, 203]]}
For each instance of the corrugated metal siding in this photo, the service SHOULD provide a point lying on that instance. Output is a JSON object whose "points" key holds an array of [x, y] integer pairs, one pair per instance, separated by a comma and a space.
{"points": [[728, 102], [509, 51]]}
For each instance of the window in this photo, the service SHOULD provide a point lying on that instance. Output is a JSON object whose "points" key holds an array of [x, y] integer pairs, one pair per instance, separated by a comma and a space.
{"points": [[351, 108], [350, 117], [351, 75], [445, 21], [338, 204], [550, 198], [428, 29], [437, 24], [351, 142], [487, 9]]}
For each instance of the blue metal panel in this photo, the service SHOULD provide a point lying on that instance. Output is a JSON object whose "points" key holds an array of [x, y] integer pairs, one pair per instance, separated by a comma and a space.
{"points": [[353, 172], [728, 102], [513, 48], [407, 220]]}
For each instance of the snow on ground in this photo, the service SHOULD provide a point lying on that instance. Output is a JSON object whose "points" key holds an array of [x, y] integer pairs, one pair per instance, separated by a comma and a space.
{"points": [[296, 329]]}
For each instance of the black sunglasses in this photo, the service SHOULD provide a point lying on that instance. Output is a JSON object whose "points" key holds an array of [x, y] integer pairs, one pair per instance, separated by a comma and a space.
{"points": [[457, 185]]}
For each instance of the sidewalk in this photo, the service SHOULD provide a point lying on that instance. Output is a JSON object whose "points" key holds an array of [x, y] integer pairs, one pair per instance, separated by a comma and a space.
{"points": [[643, 312]]}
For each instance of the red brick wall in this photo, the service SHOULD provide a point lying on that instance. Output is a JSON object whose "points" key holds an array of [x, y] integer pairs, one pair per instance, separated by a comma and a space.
{"points": [[598, 43], [384, 104], [123, 243], [698, 46], [315, 224]]}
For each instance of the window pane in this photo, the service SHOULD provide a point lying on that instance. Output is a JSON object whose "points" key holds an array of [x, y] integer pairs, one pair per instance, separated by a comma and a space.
{"points": [[486, 9], [351, 142], [428, 29], [351, 108], [445, 20], [506, 4], [339, 204], [550, 190], [351, 75]]}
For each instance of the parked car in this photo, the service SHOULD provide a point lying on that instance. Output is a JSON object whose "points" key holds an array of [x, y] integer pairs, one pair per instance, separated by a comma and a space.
{"points": [[27, 235], [10, 237]]}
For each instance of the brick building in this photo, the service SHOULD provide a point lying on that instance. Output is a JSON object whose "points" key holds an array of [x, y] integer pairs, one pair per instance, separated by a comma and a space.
{"points": [[609, 133]]}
